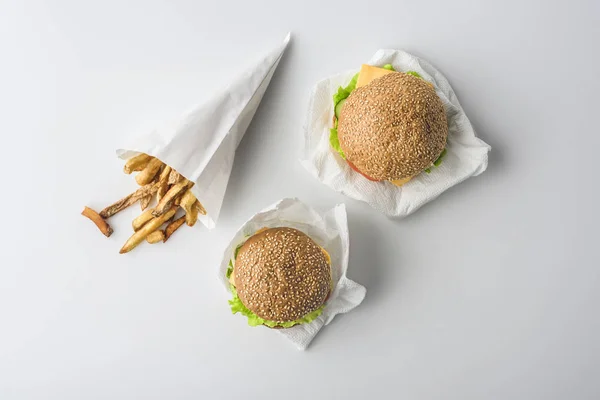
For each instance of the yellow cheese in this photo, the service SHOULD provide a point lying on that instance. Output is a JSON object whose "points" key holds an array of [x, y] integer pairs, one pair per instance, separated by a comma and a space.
{"points": [[327, 256], [232, 278], [400, 182], [369, 73]]}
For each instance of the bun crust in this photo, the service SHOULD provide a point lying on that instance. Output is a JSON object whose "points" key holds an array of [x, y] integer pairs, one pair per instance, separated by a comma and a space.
{"points": [[394, 127], [281, 274]]}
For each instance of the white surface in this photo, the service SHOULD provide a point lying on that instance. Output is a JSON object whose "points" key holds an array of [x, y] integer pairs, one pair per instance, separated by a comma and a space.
{"points": [[330, 231], [466, 155], [489, 292]]}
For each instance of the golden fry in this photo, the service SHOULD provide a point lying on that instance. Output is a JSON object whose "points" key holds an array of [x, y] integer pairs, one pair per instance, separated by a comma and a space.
{"points": [[191, 217], [173, 226], [142, 219], [146, 230], [174, 177], [145, 201], [147, 174], [188, 199], [163, 182], [169, 198], [136, 163], [98, 220], [155, 237], [200, 207], [128, 200], [187, 203]]}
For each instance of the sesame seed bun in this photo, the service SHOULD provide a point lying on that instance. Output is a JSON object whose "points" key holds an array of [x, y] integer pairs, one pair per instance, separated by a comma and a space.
{"points": [[394, 127], [281, 274]]}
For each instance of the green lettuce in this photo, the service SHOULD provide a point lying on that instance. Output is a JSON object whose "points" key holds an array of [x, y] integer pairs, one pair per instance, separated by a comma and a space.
{"points": [[413, 73], [437, 162], [254, 320], [237, 250], [343, 93], [335, 143], [389, 67], [439, 159]]}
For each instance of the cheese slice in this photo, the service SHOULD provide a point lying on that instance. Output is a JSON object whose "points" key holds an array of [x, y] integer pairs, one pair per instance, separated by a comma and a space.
{"points": [[400, 182], [327, 256], [369, 73], [261, 230], [232, 277]]}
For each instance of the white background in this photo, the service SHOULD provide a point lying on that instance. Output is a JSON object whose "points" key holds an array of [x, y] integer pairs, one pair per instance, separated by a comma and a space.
{"points": [[489, 292]]}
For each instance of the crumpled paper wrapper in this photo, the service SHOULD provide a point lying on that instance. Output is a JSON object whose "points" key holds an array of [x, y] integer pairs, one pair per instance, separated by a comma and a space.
{"points": [[328, 230], [466, 154], [201, 144]]}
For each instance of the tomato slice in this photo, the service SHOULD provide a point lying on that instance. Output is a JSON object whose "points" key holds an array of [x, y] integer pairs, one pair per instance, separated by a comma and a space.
{"points": [[357, 170]]}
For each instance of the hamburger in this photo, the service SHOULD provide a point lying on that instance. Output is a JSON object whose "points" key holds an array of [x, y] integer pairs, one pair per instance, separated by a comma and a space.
{"points": [[389, 125], [279, 277]]}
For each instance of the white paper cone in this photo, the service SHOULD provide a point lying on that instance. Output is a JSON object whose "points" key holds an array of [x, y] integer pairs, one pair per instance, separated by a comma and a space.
{"points": [[330, 231], [466, 154], [201, 144]]}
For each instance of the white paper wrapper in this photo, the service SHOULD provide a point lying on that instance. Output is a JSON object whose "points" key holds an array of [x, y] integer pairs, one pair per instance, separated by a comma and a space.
{"points": [[201, 144], [330, 231], [466, 154]]}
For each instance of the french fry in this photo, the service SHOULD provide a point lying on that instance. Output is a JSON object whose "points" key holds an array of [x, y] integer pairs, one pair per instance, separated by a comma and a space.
{"points": [[191, 217], [187, 203], [172, 190], [145, 201], [155, 237], [142, 219], [187, 200], [174, 177], [200, 207], [169, 198], [146, 230], [128, 200], [163, 182], [98, 220], [136, 163], [147, 174], [173, 226]]}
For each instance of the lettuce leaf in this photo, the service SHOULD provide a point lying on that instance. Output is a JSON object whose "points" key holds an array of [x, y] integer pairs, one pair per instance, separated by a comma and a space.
{"points": [[414, 73], [237, 250], [439, 159], [335, 143], [343, 93], [437, 162], [229, 270], [389, 67], [254, 320]]}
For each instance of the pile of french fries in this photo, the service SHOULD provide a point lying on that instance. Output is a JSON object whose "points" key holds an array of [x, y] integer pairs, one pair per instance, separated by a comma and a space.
{"points": [[172, 191]]}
